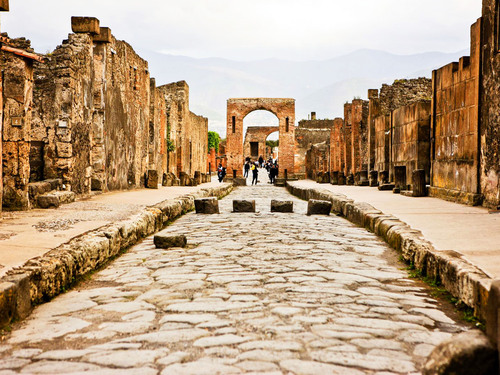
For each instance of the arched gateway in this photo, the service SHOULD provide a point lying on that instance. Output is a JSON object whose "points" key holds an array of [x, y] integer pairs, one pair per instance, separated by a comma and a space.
{"points": [[237, 109]]}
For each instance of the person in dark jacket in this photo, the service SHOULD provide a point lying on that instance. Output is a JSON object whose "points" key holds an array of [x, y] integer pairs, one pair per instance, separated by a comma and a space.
{"points": [[246, 168], [255, 173]]}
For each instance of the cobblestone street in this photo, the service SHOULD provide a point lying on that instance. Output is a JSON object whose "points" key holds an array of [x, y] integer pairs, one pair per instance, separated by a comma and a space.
{"points": [[266, 293]]}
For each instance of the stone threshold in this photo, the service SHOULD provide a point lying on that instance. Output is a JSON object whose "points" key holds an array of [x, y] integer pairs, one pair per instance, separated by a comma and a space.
{"points": [[461, 278], [42, 278]]}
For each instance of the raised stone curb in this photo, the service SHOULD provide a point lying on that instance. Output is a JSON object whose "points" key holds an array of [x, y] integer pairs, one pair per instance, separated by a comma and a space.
{"points": [[319, 207], [43, 278], [462, 279]]}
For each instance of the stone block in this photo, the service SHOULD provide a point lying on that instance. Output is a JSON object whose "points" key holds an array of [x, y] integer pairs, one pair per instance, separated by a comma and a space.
{"points": [[243, 205], [373, 178], [318, 207], [104, 35], [4, 5], [281, 206], [152, 179], [383, 187], [88, 25], [466, 353], [280, 182], [65, 196], [239, 181], [48, 201], [165, 241], [208, 205]]}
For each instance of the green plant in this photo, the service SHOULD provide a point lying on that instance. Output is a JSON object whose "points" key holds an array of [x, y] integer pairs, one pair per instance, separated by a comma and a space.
{"points": [[170, 145], [213, 140]]}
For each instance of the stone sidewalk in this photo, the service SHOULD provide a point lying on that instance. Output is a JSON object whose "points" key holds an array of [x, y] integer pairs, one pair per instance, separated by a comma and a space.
{"points": [[254, 293], [28, 234], [471, 231]]}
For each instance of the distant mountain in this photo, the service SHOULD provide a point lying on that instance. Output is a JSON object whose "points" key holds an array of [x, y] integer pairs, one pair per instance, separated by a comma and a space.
{"points": [[320, 86]]}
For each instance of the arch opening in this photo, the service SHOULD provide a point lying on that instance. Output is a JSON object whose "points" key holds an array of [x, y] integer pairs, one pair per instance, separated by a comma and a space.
{"points": [[257, 126]]}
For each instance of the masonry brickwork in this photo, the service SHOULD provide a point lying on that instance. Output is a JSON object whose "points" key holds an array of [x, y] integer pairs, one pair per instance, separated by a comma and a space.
{"points": [[237, 109], [90, 115], [455, 126], [254, 145], [307, 134], [16, 102]]}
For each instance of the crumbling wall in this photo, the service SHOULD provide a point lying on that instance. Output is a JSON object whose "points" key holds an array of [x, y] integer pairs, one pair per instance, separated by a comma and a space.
{"points": [[347, 139], [304, 138], [411, 138], [198, 141], [16, 92], [157, 134], [403, 92], [317, 160], [455, 125], [490, 104]]}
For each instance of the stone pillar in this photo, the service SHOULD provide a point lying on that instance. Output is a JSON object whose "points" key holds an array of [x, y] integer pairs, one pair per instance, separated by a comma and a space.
{"points": [[334, 177], [313, 115], [418, 182], [373, 178], [4, 5], [341, 180]]}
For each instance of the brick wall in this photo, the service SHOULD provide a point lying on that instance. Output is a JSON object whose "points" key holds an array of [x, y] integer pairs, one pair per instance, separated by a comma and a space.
{"points": [[336, 146], [455, 126]]}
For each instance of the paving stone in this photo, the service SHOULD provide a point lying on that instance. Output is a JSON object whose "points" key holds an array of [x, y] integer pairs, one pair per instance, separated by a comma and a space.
{"points": [[302, 367], [228, 339], [312, 295], [124, 358]]}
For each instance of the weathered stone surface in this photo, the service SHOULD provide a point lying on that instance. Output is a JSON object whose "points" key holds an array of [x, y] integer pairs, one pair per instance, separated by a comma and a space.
{"points": [[318, 207], [165, 241], [48, 201], [152, 179], [466, 353], [243, 205], [208, 205], [281, 206], [85, 25]]}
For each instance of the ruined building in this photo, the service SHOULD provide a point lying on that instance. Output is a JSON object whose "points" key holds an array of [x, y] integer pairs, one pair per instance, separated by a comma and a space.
{"points": [[89, 115]]}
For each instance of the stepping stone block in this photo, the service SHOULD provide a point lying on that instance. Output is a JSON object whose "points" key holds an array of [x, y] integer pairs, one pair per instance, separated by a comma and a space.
{"points": [[317, 207], [243, 206], [165, 241], [281, 206], [206, 205]]}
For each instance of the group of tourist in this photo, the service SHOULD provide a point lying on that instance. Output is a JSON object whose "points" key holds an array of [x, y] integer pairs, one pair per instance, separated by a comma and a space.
{"points": [[270, 165]]}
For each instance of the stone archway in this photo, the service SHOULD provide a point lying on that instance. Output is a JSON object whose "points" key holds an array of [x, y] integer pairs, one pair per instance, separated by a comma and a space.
{"points": [[258, 135], [237, 109]]}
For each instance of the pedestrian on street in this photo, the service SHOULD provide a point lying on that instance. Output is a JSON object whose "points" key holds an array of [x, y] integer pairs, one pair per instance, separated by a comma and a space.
{"points": [[261, 160], [247, 168], [255, 173], [221, 172]]}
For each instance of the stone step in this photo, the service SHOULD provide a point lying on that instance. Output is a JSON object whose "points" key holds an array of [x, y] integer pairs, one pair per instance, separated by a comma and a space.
{"points": [[54, 199]]}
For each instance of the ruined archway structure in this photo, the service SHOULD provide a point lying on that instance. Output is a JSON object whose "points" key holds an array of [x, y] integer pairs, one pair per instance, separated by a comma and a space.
{"points": [[257, 135], [238, 109]]}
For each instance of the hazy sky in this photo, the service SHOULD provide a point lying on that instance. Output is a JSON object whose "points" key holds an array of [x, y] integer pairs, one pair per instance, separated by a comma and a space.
{"points": [[255, 29]]}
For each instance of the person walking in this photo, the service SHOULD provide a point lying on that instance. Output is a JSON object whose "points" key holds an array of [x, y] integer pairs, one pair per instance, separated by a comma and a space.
{"points": [[261, 160], [246, 168], [221, 172], [255, 173]]}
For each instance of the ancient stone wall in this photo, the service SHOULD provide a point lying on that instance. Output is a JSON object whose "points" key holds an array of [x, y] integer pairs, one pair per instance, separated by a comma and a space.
{"points": [[198, 143], [101, 123], [359, 135], [347, 139], [304, 138], [411, 138], [336, 146], [454, 128], [490, 104], [382, 147], [316, 124], [16, 103], [403, 92], [317, 160]]}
